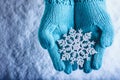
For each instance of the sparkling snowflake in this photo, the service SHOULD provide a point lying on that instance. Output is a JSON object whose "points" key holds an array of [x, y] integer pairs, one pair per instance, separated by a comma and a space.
{"points": [[76, 47]]}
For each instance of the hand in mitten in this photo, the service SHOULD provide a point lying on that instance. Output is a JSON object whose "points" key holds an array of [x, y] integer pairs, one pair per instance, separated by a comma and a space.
{"points": [[57, 19], [91, 16]]}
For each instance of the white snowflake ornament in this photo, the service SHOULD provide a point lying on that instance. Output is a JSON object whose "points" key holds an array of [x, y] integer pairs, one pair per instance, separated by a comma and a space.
{"points": [[76, 47]]}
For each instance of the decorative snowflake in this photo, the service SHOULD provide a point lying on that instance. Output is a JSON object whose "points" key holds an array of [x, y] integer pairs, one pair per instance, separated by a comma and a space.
{"points": [[76, 47]]}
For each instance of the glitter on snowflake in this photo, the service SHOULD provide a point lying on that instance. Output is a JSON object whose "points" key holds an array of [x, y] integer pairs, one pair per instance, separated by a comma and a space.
{"points": [[76, 47]]}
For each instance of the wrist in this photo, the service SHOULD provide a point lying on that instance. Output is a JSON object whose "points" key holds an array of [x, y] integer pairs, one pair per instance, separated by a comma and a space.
{"points": [[62, 2]]}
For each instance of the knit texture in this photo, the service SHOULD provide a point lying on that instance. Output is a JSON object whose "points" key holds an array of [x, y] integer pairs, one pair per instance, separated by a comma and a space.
{"points": [[64, 2], [57, 20], [92, 16], [87, 0]]}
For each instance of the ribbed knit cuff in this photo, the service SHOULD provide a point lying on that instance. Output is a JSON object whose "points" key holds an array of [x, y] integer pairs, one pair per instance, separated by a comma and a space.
{"points": [[87, 0], [64, 2]]}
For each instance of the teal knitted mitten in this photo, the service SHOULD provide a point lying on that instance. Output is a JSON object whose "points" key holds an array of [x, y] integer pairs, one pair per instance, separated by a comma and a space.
{"points": [[58, 18], [91, 16]]}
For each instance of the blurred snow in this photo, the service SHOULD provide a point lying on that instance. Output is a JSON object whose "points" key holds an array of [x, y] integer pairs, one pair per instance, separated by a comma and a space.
{"points": [[21, 56]]}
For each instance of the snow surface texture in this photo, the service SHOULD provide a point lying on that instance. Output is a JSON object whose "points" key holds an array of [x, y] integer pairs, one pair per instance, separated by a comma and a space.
{"points": [[22, 57]]}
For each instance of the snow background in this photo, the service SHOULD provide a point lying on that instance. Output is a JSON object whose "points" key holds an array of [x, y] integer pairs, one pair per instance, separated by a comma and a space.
{"points": [[22, 57]]}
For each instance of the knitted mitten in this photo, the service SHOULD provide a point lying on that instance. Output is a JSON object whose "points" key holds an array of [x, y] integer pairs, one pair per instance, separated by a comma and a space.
{"points": [[91, 16], [58, 18]]}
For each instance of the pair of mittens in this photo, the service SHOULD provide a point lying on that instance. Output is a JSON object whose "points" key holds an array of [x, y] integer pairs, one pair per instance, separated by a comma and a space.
{"points": [[89, 15]]}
